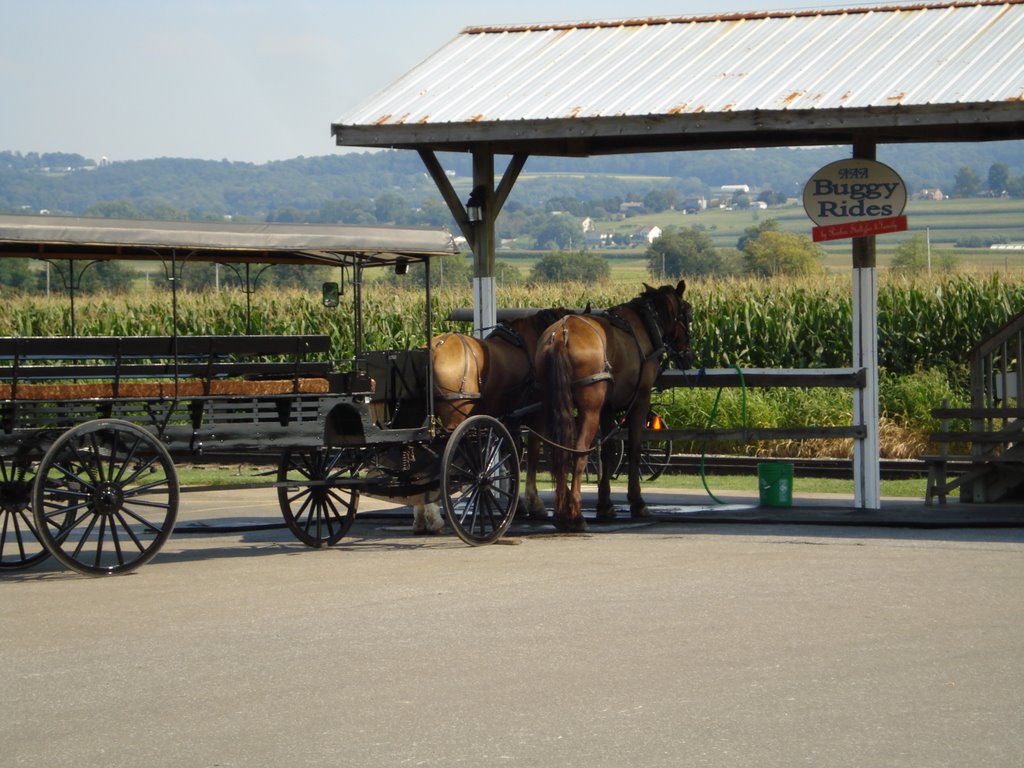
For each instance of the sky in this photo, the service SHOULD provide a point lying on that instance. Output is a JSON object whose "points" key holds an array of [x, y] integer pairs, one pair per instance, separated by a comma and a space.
{"points": [[241, 80]]}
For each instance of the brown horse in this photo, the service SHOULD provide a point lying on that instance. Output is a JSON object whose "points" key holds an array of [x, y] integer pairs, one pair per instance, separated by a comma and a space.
{"points": [[491, 376], [597, 366]]}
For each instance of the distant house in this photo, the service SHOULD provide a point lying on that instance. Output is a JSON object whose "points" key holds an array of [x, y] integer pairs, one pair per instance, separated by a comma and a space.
{"points": [[650, 234], [930, 194], [693, 205], [733, 188], [596, 239], [630, 207]]}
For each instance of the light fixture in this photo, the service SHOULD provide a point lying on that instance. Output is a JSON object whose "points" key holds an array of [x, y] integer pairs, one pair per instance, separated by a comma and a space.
{"points": [[401, 266], [475, 204]]}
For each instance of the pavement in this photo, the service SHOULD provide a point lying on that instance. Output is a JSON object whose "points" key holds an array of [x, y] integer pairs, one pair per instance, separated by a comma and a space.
{"points": [[715, 635], [677, 505]]}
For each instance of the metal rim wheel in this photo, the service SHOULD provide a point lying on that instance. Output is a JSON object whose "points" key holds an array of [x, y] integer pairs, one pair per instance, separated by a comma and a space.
{"points": [[592, 471], [654, 458], [105, 497], [317, 510], [655, 455], [480, 480], [19, 545]]}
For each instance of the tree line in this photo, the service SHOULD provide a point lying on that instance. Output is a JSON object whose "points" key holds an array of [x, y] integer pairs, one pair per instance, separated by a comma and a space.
{"points": [[368, 187], [544, 211]]}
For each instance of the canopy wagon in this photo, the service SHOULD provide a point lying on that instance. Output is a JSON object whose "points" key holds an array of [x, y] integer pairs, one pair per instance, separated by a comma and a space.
{"points": [[91, 427]]}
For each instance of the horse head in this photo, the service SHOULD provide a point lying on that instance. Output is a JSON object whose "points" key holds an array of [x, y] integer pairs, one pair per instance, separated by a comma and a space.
{"points": [[674, 318]]}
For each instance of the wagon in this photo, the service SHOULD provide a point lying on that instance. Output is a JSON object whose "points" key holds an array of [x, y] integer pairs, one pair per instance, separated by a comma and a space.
{"points": [[91, 427]]}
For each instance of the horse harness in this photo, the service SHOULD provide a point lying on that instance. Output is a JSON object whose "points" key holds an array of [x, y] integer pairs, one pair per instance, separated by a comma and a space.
{"points": [[502, 330], [468, 352], [645, 310]]}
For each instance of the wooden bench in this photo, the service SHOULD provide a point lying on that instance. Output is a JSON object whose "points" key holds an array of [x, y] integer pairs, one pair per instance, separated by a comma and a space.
{"points": [[70, 368]]}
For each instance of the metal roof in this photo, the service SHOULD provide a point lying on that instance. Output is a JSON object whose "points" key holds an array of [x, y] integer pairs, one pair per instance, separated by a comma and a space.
{"points": [[941, 72], [62, 237]]}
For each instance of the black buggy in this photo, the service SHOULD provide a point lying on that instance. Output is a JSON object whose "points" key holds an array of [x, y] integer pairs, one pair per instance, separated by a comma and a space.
{"points": [[90, 427]]}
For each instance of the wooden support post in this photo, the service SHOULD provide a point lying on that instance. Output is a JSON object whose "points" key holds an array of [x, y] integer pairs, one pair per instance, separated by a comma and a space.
{"points": [[485, 310], [479, 234]]}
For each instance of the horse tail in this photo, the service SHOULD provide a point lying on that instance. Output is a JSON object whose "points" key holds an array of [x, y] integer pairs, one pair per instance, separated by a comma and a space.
{"points": [[559, 410]]}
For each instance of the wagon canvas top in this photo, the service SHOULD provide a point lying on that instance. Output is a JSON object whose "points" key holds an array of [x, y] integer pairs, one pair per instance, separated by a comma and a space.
{"points": [[60, 237]]}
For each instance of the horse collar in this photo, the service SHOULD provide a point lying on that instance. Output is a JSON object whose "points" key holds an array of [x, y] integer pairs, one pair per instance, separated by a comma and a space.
{"points": [[653, 327]]}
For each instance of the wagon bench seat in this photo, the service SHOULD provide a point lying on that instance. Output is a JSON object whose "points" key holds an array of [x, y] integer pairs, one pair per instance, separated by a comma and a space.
{"points": [[160, 367], [164, 389]]}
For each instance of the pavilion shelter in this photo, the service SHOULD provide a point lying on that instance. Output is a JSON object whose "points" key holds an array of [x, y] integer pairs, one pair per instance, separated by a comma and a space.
{"points": [[860, 76]]}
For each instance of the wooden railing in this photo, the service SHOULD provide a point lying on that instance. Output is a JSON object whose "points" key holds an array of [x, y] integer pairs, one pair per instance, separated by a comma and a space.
{"points": [[994, 466], [757, 378]]}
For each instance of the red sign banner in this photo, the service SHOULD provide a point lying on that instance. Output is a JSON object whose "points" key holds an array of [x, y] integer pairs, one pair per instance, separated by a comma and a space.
{"points": [[859, 228]]}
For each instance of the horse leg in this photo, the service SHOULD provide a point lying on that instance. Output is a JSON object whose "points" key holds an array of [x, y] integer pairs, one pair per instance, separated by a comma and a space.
{"points": [[532, 501], [426, 515], [605, 508], [589, 404], [573, 517], [637, 421]]}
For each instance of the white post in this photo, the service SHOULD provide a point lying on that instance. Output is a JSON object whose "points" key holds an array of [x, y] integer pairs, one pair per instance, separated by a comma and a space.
{"points": [[867, 482], [485, 311]]}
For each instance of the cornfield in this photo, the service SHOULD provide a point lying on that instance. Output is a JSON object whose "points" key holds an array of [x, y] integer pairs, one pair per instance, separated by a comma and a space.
{"points": [[926, 329], [923, 324]]}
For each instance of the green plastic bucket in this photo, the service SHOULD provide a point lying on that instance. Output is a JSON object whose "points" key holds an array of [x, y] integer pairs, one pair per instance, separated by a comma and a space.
{"points": [[775, 483]]}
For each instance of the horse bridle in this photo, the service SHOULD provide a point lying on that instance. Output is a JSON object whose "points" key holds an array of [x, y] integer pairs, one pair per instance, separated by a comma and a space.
{"points": [[678, 326]]}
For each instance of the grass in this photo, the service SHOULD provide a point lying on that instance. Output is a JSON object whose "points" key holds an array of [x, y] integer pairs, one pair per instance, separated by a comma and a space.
{"points": [[812, 486], [222, 475], [228, 475]]}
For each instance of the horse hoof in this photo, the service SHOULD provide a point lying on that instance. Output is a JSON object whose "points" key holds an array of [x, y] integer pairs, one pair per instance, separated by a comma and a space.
{"points": [[424, 532], [606, 515], [572, 526], [640, 512], [537, 514]]}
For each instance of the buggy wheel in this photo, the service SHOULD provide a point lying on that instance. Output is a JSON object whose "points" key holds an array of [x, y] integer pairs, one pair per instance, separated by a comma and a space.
{"points": [[654, 458], [480, 480], [592, 470], [655, 455], [19, 545], [317, 510], [105, 497]]}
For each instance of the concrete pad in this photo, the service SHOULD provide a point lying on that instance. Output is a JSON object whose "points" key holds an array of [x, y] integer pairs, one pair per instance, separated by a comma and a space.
{"points": [[652, 643]]}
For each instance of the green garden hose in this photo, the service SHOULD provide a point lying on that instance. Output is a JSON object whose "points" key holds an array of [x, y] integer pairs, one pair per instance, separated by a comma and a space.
{"points": [[711, 420]]}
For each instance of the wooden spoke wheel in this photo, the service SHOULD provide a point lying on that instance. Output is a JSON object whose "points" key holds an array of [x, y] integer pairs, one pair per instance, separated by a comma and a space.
{"points": [[105, 497], [654, 458], [592, 470], [655, 455], [19, 545], [316, 508], [480, 480]]}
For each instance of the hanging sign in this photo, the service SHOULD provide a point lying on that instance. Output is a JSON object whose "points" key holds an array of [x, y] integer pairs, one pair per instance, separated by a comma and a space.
{"points": [[855, 198]]}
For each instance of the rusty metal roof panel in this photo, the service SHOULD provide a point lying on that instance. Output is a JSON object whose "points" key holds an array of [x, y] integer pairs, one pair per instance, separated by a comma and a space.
{"points": [[864, 57]]}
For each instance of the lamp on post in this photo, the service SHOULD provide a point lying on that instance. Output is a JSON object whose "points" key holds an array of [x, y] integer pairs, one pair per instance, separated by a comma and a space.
{"points": [[475, 204]]}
